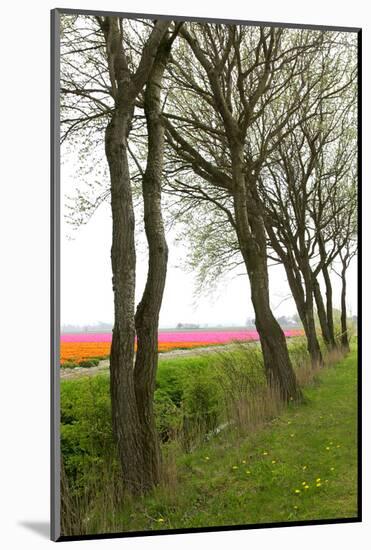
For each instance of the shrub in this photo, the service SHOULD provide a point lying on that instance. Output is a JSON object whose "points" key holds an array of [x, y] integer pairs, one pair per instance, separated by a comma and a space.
{"points": [[88, 363], [241, 378], [168, 416], [298, 352], [201, 399], [69, 365], [86, 433]]}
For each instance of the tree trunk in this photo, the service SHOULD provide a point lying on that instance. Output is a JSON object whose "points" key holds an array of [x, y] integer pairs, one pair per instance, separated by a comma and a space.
{"points": [[313, 345], [278, 368], [297, 290], [251, 235], [322, 316], [130, 430], [125, 418], [305, 314], [329, 306], [327, 279], [344, 327], [147, 315]]}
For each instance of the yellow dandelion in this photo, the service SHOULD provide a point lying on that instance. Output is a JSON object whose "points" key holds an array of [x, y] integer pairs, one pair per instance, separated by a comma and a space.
{"points": [[265, 453], [234, 467], [295, 507], [332, 468], [337, 446], [292, 435], [318, 484], [248, 472], [244, 462], [160, 520], [327, 448], [207, 458], [306, 486], [273, 462], [297, 491], [318, 479], [304, 483], [304, 467]]}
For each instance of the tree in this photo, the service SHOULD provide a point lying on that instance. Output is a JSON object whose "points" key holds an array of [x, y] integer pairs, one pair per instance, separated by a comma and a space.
{"points": [[130, 388], [148, 310], [231, 107], [129, 70], [302, 189], [347, 249]]}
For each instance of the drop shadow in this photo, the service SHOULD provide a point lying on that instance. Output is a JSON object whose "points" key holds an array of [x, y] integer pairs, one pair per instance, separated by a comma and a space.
{"points": [[42, 528]]}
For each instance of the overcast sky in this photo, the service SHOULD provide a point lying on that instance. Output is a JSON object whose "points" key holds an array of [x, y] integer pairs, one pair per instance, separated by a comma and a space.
{"points": [[86, 290]]}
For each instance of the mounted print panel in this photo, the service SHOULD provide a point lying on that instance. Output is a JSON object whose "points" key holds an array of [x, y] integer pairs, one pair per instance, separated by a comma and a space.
{"points": [[205, 199]]}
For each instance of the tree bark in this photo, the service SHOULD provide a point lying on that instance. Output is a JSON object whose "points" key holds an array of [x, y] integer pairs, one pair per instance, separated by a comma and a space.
{"points": [[305, 314], [125, 418], [328, 285], [329, 306], [133, 438], [344, 327], [251, 235], [322, 316], [297, 290], [147, 314], [313, 344]]}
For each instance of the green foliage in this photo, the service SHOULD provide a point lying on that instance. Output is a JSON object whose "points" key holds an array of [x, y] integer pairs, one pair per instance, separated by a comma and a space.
{"points": [[201, 404], [186, 399], [255, 480], [168, 416], [298, 351], [69, 365], [86, 433], [85, 363], [190, 402], [241, 370], [88, 363], [351, 326]]}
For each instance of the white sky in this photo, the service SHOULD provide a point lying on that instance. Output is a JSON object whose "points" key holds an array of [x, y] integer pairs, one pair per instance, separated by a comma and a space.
{"points": [[86, 291]]}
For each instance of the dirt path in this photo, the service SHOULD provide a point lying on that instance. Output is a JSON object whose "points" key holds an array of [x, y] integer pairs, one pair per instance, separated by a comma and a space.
{"points": [[104, 365]]}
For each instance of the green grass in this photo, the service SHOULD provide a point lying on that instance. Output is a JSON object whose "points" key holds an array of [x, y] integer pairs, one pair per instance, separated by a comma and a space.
{"points": [[233, 481]]}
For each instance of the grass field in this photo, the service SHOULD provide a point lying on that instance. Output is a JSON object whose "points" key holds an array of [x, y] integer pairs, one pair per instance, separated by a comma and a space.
{"points": [[301, 465]]}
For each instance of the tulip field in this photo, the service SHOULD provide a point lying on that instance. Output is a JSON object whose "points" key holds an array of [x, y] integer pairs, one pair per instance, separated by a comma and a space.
{"points": [[78, 347]]}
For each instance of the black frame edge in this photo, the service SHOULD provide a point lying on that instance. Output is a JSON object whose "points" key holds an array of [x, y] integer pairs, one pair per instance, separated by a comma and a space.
{"points": [[214, 529], [134, 15], [359, 270], [55, 278]]}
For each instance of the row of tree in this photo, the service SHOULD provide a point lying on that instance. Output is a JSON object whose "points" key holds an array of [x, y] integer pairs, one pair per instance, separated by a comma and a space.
{"points": [[255, 128]]}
